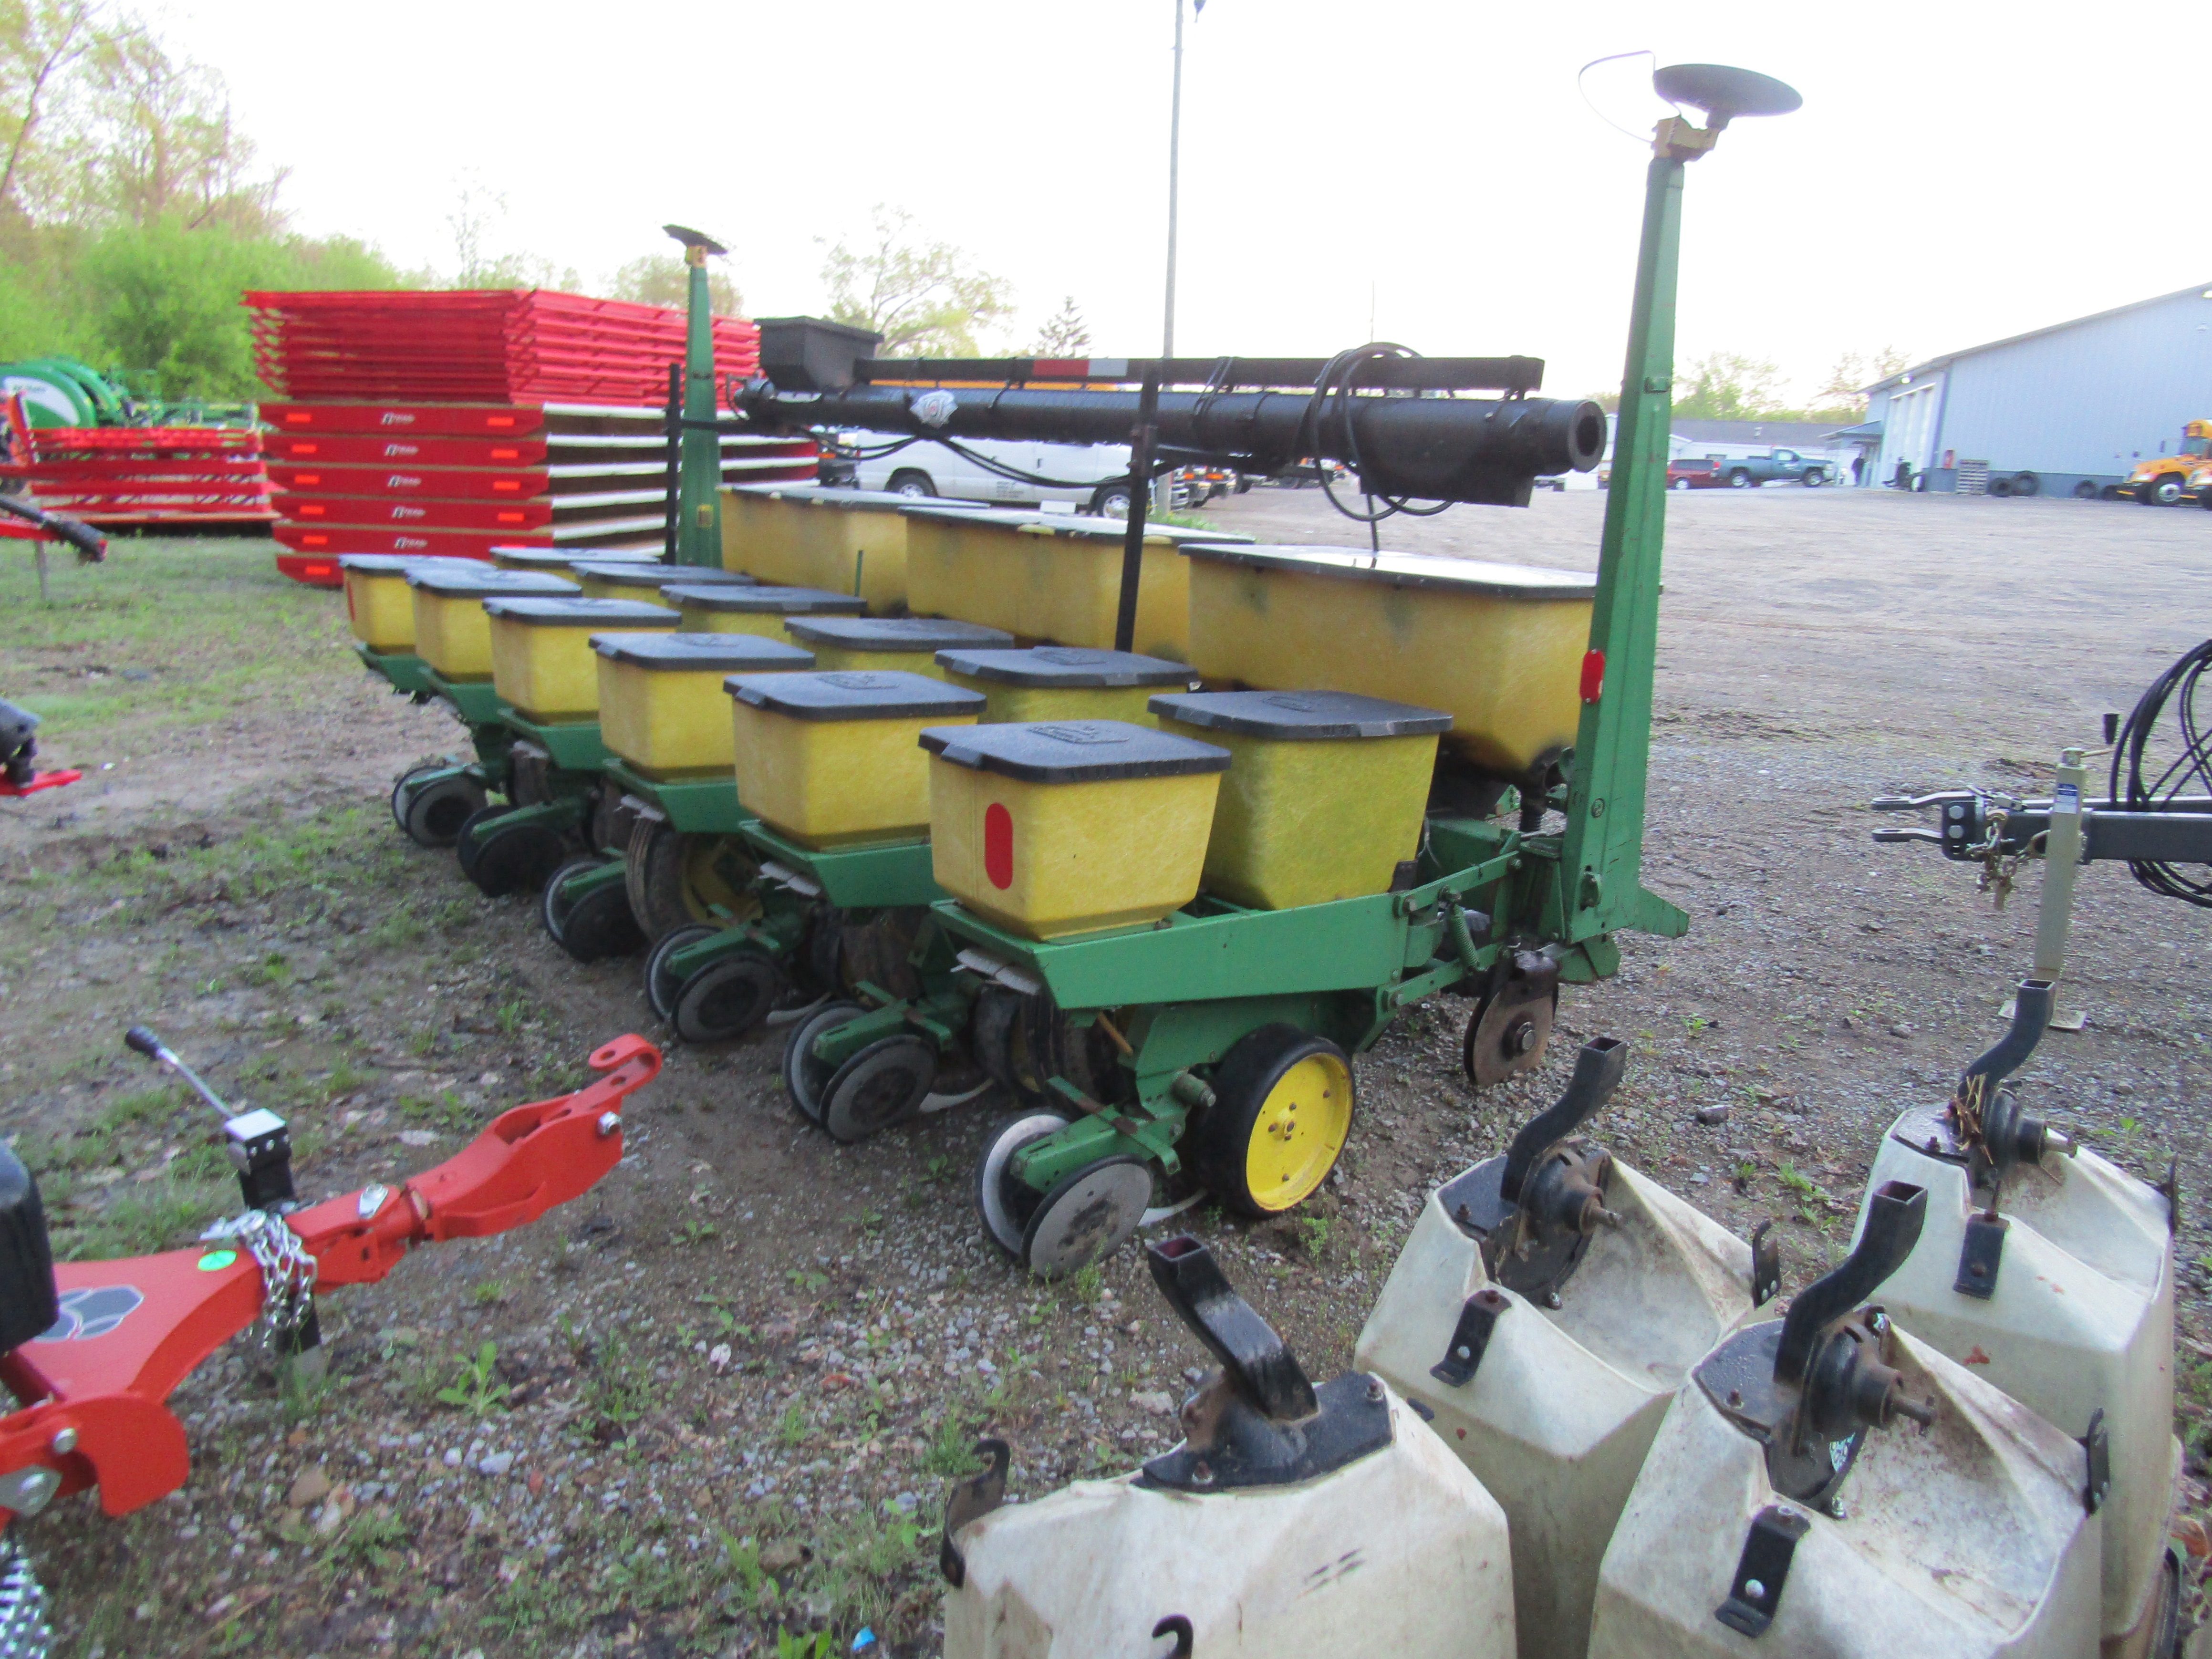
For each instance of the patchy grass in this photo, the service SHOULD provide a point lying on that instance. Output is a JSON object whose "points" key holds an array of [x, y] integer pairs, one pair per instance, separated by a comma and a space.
{"points": [[169, 633]]}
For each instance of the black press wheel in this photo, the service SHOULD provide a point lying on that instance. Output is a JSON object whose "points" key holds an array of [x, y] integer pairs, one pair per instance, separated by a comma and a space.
{"points": [[1087, 1216], [804, 1077], [1283, 1101], [432, 814], [728, 999], [467, 843], [912, 481], [661, 984], [555, 902], [882, 1085], [1005, 1203], [598, 925], [516, 858], [1739, 479]]}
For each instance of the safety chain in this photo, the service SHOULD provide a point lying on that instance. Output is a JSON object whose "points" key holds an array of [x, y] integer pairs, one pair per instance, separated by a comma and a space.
{"points": [[23, 1631], [288, 1271], [1998, 868]]}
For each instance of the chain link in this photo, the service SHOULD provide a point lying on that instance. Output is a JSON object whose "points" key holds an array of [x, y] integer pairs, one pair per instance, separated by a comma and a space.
{"points": [[23, 1631], [1998, 867], [288, 1271]]}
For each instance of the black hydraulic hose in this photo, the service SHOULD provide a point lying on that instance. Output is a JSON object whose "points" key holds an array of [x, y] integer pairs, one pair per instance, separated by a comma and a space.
{"points": [[91, 546], [2189, 770]]}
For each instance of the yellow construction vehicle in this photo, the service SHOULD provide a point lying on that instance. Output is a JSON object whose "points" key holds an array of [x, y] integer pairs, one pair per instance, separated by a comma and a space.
{"points": [[2166, 479]]}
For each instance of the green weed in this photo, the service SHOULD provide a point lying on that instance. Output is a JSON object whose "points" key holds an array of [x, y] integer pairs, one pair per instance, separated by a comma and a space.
{"points": [[476, 1388]]}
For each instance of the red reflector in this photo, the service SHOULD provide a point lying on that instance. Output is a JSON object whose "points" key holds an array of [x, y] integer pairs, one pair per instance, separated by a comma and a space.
{"points": [[309, 478], [316, 541], [316, 573], [508, 485], [998, 846], [500, 420], [509, 518], [298, 417], [1593, 675], [506, 454]]}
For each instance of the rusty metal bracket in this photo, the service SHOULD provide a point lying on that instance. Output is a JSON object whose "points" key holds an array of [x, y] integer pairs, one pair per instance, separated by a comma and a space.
{"points": [[970, 1500], [1470, 1339], [1765, 1264], [1755, 1595], [1981, 1253], [2097, 1445]]}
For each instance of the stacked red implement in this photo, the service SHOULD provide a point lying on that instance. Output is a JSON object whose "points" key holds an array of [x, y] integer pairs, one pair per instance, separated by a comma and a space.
{"points": [[443, 423], [161, 474], [460, 479], [492, 345]]}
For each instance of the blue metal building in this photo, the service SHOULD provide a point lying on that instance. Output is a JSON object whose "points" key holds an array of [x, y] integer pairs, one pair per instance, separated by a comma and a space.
{"points": [[2074, 405]]}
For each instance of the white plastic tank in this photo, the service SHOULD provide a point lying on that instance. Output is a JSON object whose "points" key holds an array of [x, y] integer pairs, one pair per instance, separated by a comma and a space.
{"points": [[2048, 1272], [1292, 1520], [1789, 1510], [1550, 1380]]}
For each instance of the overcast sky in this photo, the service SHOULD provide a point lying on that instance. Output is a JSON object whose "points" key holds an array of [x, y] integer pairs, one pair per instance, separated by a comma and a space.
{"points": [[1958, 173]]}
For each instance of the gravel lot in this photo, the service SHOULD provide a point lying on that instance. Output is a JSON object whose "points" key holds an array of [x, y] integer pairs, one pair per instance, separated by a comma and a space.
{"points": [[725, 1391]]}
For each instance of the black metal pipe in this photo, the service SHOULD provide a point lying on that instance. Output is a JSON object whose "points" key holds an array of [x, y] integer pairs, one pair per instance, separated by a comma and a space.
{"points": [[1141, 443], [1460, 449]]}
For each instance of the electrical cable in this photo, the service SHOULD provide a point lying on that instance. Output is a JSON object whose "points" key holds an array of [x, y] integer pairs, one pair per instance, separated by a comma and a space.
{"points": [[2188, 771], [1332, 391]]}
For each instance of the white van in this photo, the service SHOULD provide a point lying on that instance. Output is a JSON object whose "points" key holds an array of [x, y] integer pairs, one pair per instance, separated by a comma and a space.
{"points": [[1097, 475]]}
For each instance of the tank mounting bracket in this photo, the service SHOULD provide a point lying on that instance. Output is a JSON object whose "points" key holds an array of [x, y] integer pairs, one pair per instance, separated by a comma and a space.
{"points": [[1755, 1595], [1470, 1339]]}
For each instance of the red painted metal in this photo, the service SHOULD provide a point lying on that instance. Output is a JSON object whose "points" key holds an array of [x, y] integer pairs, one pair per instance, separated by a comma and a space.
{"points": [[504, 345], [371, 511], [43, 780], [139, 475], [448, 484], [110, 1389], [366, 449]]}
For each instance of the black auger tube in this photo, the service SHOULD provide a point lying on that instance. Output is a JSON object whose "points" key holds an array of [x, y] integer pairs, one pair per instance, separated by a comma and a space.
{"points": [[1482, 450], [2031, 1017], [1895, 1216], [1598, 1070]]}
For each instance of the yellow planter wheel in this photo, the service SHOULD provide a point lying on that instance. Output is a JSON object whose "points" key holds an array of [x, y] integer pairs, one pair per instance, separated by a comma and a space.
{"points": [[676, 878], [1282, 1111]]}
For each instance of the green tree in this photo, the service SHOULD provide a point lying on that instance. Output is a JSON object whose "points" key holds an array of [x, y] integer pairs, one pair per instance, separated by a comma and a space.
{"points": [[663, 279], [1065, 334], [1844, 391], [164, 298], [1725, 386], [922, 297]]}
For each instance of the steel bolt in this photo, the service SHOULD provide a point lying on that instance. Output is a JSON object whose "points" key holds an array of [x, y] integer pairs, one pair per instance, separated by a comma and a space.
{"points": [[1202, 1473], [1550, 1298], [608, 1122], [63, 1442], [1374, 1388], [1754, 1590]]}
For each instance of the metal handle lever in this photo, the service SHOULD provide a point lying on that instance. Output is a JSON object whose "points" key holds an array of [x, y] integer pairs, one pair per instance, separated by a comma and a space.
{"points": [[1256, 1360], [1914, 803], [1933, 837], [1598, 1070], [2031, 1017], [1894, 1217]]}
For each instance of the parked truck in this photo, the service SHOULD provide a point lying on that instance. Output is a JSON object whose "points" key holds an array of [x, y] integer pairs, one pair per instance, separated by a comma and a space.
{"points": [[2165, 479], [1743, 472]]}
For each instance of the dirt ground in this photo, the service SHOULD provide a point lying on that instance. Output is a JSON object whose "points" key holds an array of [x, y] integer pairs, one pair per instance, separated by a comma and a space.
{"points": [[713, 1406]]}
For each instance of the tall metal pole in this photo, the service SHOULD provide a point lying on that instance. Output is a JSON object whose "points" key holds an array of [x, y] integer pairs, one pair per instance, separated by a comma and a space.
{"points": [[701, 542], [1601, 854], [1175, 155]]}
